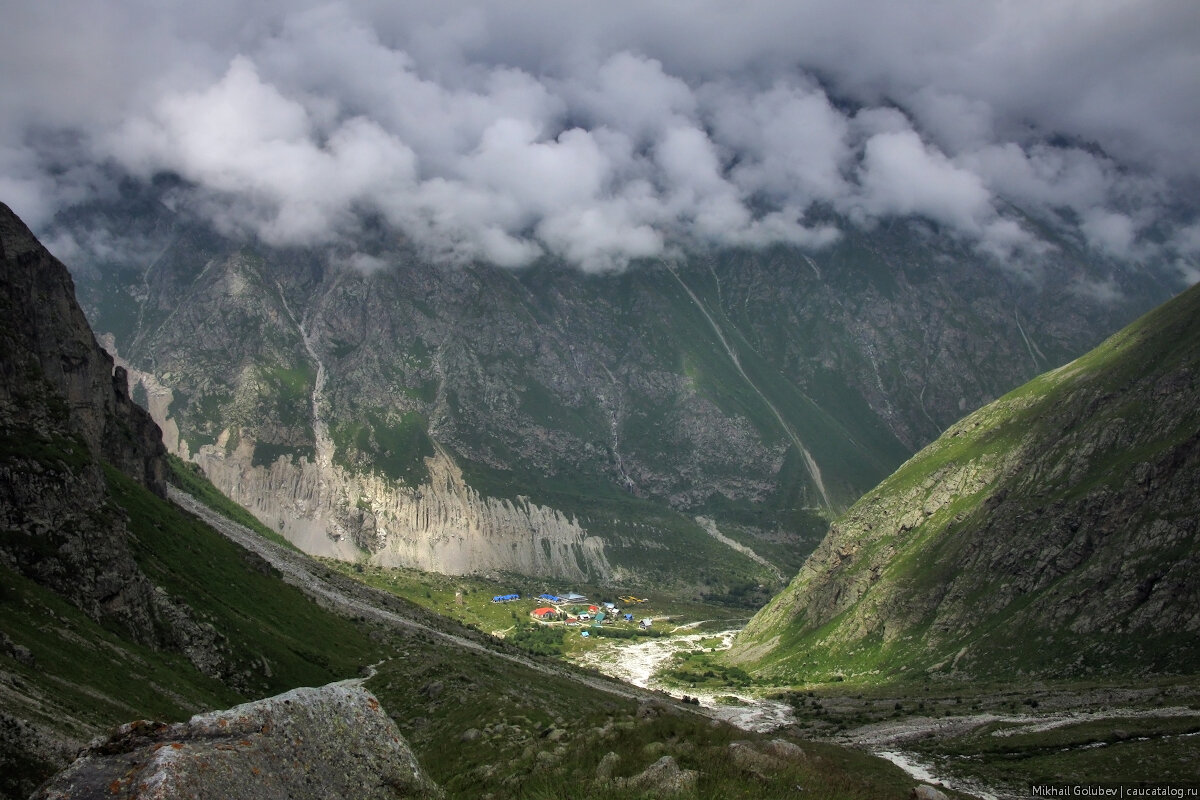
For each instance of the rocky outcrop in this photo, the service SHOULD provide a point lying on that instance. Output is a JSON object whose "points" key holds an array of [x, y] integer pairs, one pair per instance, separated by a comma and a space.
{"points": [[332, 741], [1055, 530], [443, 525], [53, 363], [663, 778], [64, 409]]}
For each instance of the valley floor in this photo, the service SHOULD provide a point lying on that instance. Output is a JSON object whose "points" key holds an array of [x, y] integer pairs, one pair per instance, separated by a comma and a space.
{"points": [[487, 720], [990, 742], [981, 741]]}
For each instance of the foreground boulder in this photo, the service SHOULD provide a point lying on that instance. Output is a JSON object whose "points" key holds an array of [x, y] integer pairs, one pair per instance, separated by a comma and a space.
{"points": [[332, 741]]}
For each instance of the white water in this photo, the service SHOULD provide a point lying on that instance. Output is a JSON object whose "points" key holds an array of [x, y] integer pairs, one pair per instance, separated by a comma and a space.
{"points": [[637, 663]]}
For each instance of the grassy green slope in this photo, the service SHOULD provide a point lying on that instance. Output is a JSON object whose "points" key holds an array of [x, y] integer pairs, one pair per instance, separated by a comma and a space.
{"points": [[81, 677], [78, 678], [1053, 532]]}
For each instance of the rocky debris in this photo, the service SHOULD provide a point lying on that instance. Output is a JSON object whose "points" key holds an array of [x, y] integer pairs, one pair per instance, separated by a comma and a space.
{"points": [[606, 767], [927, 792], [651, 708], [18, 652], [331, 741], [29, 751], [663, 778], [782, 748], [753, 760]]}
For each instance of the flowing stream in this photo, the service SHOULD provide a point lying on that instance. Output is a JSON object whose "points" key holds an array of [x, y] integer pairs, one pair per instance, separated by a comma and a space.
{"points": [[638, 663]]}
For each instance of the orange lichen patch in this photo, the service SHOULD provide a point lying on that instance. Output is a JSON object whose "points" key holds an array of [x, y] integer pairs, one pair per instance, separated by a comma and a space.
{"points": [[223, 723], [114, 787], [176, 745], [373, 703], [245, 743], [256, 770]]}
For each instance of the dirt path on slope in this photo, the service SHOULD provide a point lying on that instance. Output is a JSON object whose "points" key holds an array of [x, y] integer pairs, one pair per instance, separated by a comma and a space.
{"points": [[350, 598]]}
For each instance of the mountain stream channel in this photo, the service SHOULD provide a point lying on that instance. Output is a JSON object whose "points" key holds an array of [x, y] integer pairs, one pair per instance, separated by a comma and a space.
{"points": [[639, 664]]}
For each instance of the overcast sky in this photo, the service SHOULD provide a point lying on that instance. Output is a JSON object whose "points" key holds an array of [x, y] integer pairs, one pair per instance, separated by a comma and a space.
{"points": [[605, 132]]}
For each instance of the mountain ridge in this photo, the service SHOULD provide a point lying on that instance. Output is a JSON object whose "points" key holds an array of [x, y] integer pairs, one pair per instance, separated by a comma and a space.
{"points": [[721, 385], [1052, 532]]}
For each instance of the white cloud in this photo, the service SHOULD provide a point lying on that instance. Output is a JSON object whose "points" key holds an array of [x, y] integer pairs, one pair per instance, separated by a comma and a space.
{"points": [[605, 133], [789, 140], [1109, 231], [902, 175]]}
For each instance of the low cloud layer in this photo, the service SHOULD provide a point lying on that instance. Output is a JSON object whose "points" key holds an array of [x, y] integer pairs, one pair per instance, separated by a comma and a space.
{"points": [[604, 134]]}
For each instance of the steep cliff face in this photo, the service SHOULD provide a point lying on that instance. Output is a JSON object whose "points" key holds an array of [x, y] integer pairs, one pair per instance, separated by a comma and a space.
{"points": [[765, 390], [442, 525], [1055, 531], [64, 410], [332, 741], [53, 363]]}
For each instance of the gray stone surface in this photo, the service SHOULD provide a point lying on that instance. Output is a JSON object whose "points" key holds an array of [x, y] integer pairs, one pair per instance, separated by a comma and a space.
{"points": [[331, 741]]}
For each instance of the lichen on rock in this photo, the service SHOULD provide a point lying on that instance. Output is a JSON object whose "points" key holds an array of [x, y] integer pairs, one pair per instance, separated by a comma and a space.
{"points": [[330, 741]]}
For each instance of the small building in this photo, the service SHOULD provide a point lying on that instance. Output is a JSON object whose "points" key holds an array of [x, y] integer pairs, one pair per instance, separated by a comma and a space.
{"points": [[544, 612], [505, 598], [646, 622], [553, 598], [629, 617], [573, 597]]}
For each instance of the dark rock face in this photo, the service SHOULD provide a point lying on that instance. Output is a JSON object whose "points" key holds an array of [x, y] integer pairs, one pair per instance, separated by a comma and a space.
{"points": [[63, 410], [53, 363], [332, 741]]}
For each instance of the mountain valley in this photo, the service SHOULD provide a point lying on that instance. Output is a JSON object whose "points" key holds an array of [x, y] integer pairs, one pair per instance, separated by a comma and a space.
{"points": [[556, 423], [119, 605], [612, 401]]}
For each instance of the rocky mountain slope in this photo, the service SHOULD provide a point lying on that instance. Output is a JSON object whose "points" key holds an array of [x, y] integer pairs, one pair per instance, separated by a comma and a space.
{"points": [[363, 401], [64, 412], [1052, 532], [90, 618], [80, 652]]}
